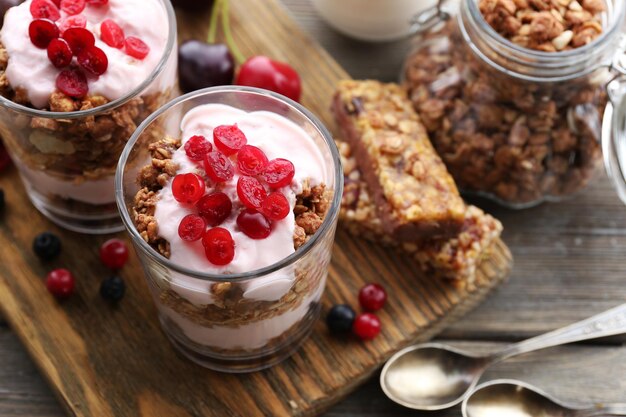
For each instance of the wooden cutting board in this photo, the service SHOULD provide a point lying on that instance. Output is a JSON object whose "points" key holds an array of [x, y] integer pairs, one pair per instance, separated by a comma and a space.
{"points": [[106, 361]]}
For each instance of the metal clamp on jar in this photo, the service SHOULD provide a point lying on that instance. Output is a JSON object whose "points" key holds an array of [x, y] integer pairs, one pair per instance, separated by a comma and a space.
{"points": [[516, 118]]}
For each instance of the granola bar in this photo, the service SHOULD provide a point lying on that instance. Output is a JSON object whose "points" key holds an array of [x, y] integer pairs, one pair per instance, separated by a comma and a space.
{"points": [[415, 195], [456, 258]]}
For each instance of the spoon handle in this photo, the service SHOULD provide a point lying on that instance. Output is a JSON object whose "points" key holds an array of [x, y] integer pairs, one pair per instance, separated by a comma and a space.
{"points": [[606, 411], [609, 323]]}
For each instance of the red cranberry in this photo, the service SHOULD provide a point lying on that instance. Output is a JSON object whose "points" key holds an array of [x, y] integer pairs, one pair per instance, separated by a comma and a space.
{"points": [[60, 283], [59, 53], [279, 173], [79, 39], [136, 48], [188, 188], [366, 326], [78, 21], [219, 246], [45, 9], [72, 82], [191, 228], [93, 60], [372, 297], [229, 139], [218, 167], [97, 2], [72, 7], [114, 253], [263, 72], [251, 192], [112, 34], [251, 160], [197, 147], [275, 206], [42, 32], [215, 208], [253, 224]]}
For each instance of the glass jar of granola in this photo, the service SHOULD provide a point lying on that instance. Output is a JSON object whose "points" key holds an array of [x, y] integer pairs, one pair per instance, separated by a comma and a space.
{"points": [[512, 92], [68, 109]]}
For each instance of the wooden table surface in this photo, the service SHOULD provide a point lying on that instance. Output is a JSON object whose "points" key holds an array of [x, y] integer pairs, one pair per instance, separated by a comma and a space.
{"points": [[568, 266]]}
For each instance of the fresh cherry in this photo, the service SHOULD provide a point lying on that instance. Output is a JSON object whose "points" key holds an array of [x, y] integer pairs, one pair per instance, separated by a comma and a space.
{"points": [[229, 139], [372, 297], [93, 60], [279, 173], [366, 326], [114, 253], [73, 83], [251, 160], [215, 208], [60, 283], [193, 5], [45, 9], [188, 188], [136, 48], [197, 147], [218, 167], [42, 32], [275, 206], [79, 39], [112, 34], [251, 192], [253, 224], [202, 65], [78, 21], [191, 228], [219, 246], [263, 72], [340, 318], [73, 7]]}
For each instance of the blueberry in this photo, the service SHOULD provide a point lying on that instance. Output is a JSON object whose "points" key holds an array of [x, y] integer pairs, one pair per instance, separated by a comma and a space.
{"points": [[340, 318], [113, 288], [47, 246]]}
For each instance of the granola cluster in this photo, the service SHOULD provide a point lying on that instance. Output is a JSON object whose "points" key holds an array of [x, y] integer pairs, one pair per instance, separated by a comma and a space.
{"points": [[518, 141], [545, 25]]}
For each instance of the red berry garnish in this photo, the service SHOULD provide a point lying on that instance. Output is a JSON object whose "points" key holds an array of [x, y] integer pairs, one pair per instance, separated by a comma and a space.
{"points": [[42, 32], [112, 34], [251, 192], [251, 160], [59, 53], [197, 147], [78, 21], [191, 228], [215, 208], [263, 72], [93, 60], [229, 139], [5, 159], [218, 167], [275, 206], [79, 39], [366, 326], [97, 2], [219, 246], [254, 224], [60, 283], [136, 48], [45, 9], [73, 7], [372, 297], [114, 253], [279, 173], [188, 188], [73, 83]]}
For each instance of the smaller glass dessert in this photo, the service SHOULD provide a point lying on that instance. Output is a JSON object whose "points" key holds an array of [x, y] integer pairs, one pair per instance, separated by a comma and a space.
{"points": [[231, 195]]}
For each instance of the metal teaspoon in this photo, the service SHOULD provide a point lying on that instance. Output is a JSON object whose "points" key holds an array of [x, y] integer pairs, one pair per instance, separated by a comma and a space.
{"points": [[434, 376]]}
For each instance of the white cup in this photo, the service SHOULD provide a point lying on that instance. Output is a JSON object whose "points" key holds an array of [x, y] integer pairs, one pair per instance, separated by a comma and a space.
{"points": [[372, 20]]}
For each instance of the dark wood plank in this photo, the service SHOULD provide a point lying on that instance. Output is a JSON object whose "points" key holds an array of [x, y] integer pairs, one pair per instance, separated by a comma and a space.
{"points": [[103, 361]]}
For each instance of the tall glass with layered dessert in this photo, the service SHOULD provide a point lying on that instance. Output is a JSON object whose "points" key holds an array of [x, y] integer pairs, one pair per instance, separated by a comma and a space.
{"points": [[75, 82], [231, 196]]}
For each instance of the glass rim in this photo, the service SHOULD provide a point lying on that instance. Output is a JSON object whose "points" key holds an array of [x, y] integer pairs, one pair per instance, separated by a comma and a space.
{"points": [[158, 69], [325, 228]]}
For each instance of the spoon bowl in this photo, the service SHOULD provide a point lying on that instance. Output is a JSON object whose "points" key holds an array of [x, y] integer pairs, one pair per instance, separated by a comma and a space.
{"points": [[431, 376]]}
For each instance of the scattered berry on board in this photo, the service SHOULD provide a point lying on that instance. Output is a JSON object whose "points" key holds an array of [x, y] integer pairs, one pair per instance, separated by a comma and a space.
{"points": [[47, 246], [366, 326], [114, 253], [113, 289], [372, 297], [340, 319], [60, 283]]}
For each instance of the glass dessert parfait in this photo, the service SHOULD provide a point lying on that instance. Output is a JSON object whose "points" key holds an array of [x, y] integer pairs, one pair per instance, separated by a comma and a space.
{"points": [[231, 196], [75, 82]]}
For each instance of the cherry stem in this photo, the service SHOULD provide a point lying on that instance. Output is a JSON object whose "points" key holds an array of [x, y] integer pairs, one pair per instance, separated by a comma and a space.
{"points": [[215, 13], [230, 41]]}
